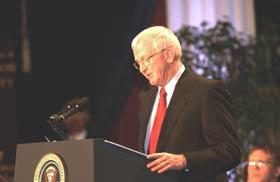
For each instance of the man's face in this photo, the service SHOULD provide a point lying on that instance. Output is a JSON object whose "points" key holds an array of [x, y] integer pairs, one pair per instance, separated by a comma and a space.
{"points": [[261, 168], [153, 66]]}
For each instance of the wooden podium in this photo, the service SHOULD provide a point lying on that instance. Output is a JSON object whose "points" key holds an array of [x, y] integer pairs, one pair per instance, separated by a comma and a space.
{"points": [[89, 160]]}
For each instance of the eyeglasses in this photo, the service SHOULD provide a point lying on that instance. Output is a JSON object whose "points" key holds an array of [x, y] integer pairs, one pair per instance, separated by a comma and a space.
{"points": [[258, 163], [146, 61]]}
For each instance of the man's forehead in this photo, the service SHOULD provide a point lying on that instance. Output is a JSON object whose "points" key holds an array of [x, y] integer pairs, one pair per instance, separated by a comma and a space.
{"points": [[259, 154], [142, 50]]}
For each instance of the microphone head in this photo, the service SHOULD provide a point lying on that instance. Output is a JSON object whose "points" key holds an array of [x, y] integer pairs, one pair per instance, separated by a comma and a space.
{"points": [[77, 105], [57, 125], [83, 103]]}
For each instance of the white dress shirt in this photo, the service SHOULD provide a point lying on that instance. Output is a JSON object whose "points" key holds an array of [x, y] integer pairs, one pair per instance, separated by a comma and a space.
{"points": [[78, 136], [169, 88]]}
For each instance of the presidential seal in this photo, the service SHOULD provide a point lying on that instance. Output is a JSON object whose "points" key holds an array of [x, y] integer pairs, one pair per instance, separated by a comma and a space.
{"points": [[50, 168]]}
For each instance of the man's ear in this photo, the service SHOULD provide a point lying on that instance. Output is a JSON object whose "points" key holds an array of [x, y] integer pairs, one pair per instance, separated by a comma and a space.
{"points": [[170, 55]]}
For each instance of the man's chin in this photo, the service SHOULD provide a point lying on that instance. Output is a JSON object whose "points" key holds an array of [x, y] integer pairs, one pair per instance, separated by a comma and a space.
{"points": [[152, 82], [254, 179]]}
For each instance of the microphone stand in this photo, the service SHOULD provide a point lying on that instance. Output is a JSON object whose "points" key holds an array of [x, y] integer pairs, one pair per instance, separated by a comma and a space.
{"points": [[48, 140]]}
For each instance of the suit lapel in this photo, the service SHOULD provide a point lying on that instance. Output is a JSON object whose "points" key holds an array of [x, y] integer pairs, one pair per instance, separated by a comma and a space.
{"points": [[177, 103]]}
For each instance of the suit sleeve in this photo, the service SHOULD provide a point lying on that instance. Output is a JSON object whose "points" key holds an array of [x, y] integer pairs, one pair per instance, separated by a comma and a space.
{"points": [[220, 132]]}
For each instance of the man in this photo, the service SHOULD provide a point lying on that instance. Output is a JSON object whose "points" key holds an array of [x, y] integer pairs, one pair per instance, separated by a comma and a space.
{"points": [[187, 122], [263, 164]]}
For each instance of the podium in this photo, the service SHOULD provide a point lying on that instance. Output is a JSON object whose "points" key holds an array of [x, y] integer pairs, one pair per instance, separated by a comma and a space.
{"points": [[88, 160]]}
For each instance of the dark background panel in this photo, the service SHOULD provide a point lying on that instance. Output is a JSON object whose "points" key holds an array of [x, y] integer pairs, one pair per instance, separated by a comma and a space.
{"points": [[78, 49]]}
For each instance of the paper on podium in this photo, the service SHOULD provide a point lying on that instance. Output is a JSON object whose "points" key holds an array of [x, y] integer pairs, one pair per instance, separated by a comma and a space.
{"points": [[125, 148]]}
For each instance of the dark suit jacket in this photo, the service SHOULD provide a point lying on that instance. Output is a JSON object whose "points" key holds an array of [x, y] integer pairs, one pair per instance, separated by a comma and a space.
{"points": [[199, 123]]}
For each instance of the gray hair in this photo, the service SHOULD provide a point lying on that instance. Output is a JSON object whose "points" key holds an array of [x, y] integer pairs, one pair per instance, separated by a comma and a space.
{"points": [[159, 37]]}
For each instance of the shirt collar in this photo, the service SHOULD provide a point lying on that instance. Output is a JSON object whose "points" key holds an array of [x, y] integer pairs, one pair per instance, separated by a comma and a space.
{"points": [[79, 136], [170, 86]]}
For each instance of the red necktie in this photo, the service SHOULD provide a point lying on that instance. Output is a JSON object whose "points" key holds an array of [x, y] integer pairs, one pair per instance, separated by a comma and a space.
{"points": [[161, 109]]}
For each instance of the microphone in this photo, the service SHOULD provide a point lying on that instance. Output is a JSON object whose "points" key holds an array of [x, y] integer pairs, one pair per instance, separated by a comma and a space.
{"points": [[78, 106], [56, 120]]}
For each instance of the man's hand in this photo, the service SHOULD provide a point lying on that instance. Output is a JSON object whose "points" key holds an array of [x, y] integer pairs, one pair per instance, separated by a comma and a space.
{"points": [[162, 162]]}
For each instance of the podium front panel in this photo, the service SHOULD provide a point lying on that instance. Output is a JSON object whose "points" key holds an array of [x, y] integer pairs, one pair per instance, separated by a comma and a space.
{"points": [[89, 160]]}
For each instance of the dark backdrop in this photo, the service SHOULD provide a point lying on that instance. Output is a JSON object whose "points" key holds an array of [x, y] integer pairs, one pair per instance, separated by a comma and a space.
{"points": [[78, 49]]}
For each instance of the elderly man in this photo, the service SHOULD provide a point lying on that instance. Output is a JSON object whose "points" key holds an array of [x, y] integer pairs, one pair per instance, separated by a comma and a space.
{"points": [[187, 122]]}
